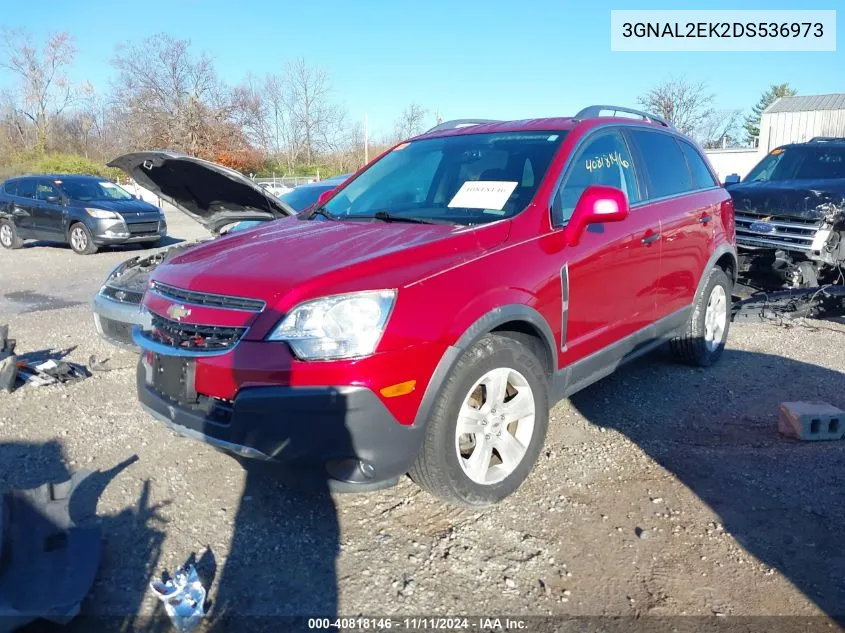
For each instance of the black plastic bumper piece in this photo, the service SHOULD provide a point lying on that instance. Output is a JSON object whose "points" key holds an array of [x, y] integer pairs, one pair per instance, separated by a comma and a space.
{"points": [[347, 431]]}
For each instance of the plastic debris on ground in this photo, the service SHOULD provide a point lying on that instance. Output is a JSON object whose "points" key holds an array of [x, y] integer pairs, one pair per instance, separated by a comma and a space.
{"points": [[47, 563], [38, 368], [183, 597]]}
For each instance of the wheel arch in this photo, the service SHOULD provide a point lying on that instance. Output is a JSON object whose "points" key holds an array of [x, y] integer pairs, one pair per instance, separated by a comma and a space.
{"points": [[516, 320]]}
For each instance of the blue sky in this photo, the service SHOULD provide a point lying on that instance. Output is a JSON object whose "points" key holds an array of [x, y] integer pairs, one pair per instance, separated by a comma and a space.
{"points": [[497, 59]]}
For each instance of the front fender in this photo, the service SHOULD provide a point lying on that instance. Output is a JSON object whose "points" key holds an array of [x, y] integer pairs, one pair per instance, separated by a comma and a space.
{"points": [[478, 318]]}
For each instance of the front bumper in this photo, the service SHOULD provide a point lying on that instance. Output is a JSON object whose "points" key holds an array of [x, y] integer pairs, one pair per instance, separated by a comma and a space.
{"points": [[113, 231], [345, 430], [114, 321]]}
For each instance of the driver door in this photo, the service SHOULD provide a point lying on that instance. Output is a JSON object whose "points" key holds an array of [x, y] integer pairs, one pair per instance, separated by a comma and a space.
{"points": [[609, 279]]}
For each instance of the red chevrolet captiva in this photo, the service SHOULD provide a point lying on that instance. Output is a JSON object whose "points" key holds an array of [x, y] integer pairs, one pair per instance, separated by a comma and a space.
{"points": [[425, 316]]}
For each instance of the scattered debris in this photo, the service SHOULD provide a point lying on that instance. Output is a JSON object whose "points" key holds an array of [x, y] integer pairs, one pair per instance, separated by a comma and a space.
{"points": [[51, 372], [39, 368], [811, 421], [98, 365], [183, 597], [49, 563], [642, 533], [786, 305]]}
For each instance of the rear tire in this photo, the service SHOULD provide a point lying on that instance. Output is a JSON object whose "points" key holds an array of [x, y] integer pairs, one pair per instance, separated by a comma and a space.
{"points": [[706, 331], [9, 235], [80, 240], [488, 425]]}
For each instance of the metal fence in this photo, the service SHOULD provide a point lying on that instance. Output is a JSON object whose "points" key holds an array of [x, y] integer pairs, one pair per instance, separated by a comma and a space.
{"points": [[287, 181]]}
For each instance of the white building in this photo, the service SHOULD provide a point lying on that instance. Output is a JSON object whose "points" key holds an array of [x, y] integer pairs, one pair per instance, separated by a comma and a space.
{"points": [[787, 120]]}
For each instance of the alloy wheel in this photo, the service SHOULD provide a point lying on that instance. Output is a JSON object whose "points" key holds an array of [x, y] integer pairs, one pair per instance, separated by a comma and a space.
{"points": [[78, 239], [495, 426], [715, 318]]}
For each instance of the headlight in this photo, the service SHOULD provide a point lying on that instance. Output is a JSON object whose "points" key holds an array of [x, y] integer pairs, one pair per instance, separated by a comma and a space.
{"points": [[341, 326], [102, 214]]}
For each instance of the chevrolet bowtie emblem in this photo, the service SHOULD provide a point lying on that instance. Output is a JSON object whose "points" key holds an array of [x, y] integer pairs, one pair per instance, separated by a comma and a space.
{"points": [[177, 312]]}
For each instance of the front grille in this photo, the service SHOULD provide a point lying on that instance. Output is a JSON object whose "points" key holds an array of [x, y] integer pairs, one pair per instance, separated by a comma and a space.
{"points": [[117, 330], [192, 336], [123, 296], [794, 234], [206, 299], [143, 228]]}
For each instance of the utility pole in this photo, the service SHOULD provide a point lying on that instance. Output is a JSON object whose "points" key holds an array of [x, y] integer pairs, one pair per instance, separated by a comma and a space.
{"points": [[366, 140]]}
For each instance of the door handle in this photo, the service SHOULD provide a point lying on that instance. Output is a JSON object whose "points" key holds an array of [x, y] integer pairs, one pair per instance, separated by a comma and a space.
{"points": [[705, 218], [648, 239]]}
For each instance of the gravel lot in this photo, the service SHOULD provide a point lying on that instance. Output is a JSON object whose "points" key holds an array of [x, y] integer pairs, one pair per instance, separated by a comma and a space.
{"points": [[663, 490]]}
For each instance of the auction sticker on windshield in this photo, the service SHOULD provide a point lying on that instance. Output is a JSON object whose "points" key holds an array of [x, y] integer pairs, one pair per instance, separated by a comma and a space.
{"points": [[483, 194]]}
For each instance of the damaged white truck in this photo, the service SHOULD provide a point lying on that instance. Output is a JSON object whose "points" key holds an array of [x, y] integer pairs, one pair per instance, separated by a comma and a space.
{"points": [[790, 214]]}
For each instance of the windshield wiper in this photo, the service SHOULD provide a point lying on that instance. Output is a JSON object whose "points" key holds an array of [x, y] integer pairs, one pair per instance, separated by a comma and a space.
{"points": [[386, 216], [320, 210]]}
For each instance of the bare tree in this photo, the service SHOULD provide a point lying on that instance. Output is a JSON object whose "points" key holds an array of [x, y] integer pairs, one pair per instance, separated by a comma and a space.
{"points": [[169, 97], [685, 104], [411, 122], [45, 91], [310, 109], [720, 129]]}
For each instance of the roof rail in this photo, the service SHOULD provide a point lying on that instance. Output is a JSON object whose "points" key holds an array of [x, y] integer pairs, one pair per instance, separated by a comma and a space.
{"points": [[596, 110], [826, 139], [458, 123]]}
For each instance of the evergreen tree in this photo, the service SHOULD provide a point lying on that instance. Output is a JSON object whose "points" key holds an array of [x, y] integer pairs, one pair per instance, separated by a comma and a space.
{"points": [[752, 121]]}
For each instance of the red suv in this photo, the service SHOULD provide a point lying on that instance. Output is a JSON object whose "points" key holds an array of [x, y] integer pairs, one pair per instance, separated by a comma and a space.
{"points": [[428, 313]]}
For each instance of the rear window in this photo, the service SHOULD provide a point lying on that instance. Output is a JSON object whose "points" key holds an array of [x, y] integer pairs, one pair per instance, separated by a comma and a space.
{"points": [[26, 188], [702, 177], [803, 162], [11, 188], [665, 165]]}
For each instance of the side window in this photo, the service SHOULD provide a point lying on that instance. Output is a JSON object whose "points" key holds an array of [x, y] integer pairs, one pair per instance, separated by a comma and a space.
{"points": [[26, 188], [605, 160], [45, 189], [702, 178], [665, 167], [11, 188]]}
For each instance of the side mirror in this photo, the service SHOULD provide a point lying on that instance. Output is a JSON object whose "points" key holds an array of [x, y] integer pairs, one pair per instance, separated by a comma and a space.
{"points": [[732, 179], [325, 196], [136, 196], [596, 205], [53, 199]]}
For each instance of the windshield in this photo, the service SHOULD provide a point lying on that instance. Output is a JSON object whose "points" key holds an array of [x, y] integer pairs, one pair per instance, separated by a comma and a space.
{"points": [[800, 163], [88, 190], [303, 197], [465, 179]]}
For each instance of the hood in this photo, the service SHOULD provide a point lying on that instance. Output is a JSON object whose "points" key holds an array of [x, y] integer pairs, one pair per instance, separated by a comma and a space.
{"points": [[297, 258], [805, 199], [127, 208], [210, 193]]}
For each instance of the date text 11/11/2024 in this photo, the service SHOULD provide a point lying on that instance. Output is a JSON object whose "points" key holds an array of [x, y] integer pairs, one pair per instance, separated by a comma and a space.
{"points": [[417, 624]]}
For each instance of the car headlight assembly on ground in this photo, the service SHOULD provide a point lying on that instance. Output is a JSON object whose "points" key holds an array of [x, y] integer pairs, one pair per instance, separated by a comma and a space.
{"points": [[336, 327]]}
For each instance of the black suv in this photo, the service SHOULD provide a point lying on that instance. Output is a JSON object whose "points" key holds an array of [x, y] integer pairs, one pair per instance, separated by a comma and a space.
{"points": [[84, 211], [790, 213]]}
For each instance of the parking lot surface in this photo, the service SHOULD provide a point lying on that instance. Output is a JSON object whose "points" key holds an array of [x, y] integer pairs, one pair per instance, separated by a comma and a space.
{"points": [[663, 490]]}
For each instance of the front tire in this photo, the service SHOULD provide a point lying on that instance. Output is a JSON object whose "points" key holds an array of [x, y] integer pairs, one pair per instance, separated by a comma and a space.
{"points": [[706, 331], [488, 425], [80, 240], [9, 235]]}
